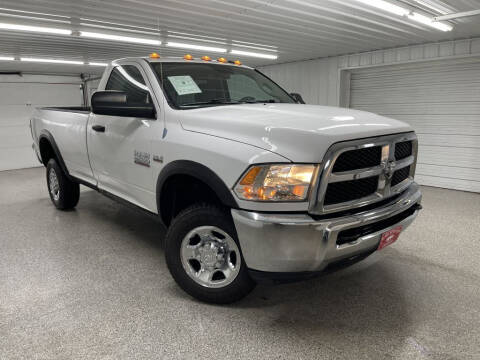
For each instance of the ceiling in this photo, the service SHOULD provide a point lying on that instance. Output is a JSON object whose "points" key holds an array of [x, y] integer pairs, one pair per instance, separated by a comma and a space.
{"points": [[296, 29]]}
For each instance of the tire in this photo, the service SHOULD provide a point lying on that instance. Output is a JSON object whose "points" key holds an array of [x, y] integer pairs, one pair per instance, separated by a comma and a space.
{"points": [[63, 192], [197, 237]]}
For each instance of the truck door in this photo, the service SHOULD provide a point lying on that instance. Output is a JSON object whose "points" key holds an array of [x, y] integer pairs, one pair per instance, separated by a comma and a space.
{"points": [[120, 147]]}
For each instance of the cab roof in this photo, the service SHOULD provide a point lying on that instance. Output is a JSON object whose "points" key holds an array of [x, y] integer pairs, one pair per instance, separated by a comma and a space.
{"points": [[181, 60]]}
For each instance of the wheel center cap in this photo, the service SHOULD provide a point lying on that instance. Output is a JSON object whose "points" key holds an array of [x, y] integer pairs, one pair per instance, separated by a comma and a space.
{"points": [[208, 255]]}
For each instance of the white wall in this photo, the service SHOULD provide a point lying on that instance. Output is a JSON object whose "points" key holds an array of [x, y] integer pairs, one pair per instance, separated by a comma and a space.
{"points": [[318, 81], [315, 80], [19, 96]]}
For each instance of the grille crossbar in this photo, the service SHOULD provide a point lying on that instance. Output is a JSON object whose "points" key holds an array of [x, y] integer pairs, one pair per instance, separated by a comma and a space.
{"points": [[390, 171]]}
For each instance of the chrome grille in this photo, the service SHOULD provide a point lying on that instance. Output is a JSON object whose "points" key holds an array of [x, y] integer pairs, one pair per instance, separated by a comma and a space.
{"points": [[370, 170]]}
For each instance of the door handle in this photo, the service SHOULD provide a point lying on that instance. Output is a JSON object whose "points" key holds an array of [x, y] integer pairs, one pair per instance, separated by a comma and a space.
{"points": [[98, 128]]}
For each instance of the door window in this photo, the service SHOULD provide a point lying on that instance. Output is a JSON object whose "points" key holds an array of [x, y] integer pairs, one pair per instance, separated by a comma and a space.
{"points": [[128, 79]]}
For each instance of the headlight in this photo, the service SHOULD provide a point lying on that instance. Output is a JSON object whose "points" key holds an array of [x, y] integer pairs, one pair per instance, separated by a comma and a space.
{"points": [[280, 182]]}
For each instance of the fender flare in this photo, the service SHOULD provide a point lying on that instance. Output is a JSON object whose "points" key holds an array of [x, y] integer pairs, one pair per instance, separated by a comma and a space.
{"points": [[200, 172], [45, 134]]}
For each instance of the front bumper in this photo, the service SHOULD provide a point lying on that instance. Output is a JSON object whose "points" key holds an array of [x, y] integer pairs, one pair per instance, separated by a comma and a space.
{"points": [[296, 243]]}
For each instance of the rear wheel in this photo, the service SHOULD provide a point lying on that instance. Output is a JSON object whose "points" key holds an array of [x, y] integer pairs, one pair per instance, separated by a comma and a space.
{"points": [[63, 192], [204, 257]]}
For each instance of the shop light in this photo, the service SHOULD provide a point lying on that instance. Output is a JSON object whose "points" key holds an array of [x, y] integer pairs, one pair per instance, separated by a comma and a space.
{"points": [[253, 54], [53, 61], [95, 35], [254, 47], [37, 29], [195, 47], [252, 43], [97, 64], [412, 15], [386, 6], [7, 58], [430, 22]]}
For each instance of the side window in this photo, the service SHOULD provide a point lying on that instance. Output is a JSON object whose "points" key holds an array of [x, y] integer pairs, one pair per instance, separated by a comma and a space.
{"points": [[127, 78]]}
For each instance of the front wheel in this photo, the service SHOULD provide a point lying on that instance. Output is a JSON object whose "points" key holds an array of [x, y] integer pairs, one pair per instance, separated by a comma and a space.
{"points": [[203, 255]]}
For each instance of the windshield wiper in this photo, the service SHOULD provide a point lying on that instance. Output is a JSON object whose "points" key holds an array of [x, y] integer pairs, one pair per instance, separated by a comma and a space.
{"points": [[211, 102], [259, 101]]}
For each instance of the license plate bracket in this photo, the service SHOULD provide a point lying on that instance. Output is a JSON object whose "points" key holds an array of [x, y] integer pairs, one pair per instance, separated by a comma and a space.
{"points": [[389, 237]]}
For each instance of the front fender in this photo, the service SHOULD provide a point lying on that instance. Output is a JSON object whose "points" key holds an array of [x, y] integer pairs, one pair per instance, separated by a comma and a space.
{"points": [[200, 172]]}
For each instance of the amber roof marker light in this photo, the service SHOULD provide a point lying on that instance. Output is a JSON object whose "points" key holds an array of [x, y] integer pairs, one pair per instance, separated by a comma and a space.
{"points": [[154, 55], [237, 62], [188, 57], [206, 58], [222, 60]]}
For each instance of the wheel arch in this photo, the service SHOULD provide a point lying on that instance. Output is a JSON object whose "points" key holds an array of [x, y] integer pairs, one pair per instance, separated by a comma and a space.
{"points": [[48, 149], [200, 175]]}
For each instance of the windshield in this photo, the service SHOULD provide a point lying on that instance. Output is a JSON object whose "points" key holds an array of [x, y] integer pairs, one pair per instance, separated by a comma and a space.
{"points": [[192, 85]]}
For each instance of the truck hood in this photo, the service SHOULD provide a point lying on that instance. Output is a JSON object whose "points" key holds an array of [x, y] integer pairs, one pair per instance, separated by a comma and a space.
{"points": [[301, 133]]}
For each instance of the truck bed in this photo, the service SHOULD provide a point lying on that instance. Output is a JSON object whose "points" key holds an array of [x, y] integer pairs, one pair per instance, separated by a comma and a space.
{"points": [[68, 127]]}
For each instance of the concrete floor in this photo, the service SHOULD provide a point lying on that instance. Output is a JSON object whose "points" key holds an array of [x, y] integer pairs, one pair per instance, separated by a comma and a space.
{"points": [[92, 284]]}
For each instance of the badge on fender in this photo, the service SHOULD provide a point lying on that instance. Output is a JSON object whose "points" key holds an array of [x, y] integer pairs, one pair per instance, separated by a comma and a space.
{"points": [[141, 158]]}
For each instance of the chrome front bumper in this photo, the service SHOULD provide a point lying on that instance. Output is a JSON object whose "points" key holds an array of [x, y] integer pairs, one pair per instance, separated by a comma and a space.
{"points": [[289, 243]]}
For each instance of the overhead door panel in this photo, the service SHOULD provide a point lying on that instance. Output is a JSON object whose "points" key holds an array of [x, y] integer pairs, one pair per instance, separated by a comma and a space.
{"points": [[19, 96], [441, 101]]}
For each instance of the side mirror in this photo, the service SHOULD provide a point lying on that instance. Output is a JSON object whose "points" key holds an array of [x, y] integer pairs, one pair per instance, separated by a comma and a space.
{"points": [[115, 103], [298, 98]]}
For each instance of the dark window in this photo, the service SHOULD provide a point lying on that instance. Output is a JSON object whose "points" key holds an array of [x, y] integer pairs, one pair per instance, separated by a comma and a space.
{"points": [[128, 79]]}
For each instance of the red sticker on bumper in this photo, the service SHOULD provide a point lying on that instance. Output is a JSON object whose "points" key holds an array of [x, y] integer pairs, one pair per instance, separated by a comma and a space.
{"points": [[389, 237]]}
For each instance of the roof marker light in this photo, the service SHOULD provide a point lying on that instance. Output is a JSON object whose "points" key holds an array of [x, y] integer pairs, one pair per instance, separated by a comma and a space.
{"points": [[206, 58], [237, 62], [188, 57], [222, 60], [154, 55]]}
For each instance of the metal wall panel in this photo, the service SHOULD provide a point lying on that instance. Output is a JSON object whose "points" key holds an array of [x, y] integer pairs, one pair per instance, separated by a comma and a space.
{"points": [[315, 80], [18, 98], [441, 100], [319, 80]]}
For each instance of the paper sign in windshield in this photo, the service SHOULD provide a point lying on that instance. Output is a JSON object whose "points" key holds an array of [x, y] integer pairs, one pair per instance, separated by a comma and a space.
{"points": [[184, 85]]}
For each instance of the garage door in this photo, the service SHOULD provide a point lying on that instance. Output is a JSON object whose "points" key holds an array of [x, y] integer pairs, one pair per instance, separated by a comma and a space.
{"points": [[19, 95], [441, 101]]}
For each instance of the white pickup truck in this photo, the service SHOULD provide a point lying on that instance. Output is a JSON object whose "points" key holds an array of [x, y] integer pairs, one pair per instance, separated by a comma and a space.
{"points": [[252, 184]]}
